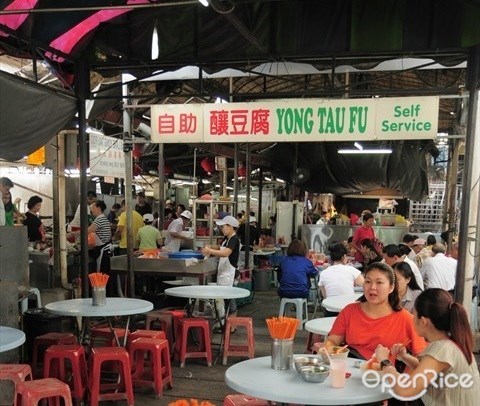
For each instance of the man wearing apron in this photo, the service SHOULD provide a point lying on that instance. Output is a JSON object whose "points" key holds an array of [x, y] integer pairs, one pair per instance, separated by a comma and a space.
{"points": [[228, 253]]}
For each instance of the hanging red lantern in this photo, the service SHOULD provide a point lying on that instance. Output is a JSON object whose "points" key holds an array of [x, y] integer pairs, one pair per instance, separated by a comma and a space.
{"points": [[208, 165], [137, 169], [137, 150], [242, 170], [167, 170]]}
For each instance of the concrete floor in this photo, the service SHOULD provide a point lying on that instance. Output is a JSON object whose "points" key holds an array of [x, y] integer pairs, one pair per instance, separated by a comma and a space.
{"points": [[198, 381]]}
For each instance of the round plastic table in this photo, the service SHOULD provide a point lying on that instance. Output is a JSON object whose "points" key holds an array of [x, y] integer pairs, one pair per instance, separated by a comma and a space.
{"points": [[10, 338], [208, 292], [116, 306], [337, 303], [255, 377], [322, 325]]}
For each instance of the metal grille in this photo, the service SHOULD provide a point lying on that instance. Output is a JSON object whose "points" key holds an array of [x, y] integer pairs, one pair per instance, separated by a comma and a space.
{"points": [[428, 215]]}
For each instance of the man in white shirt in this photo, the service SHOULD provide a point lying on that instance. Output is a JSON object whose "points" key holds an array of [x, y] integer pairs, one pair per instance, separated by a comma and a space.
{"points": [[393, 254], [440, 270], [174, 235], [339, 278], [75, 223]]}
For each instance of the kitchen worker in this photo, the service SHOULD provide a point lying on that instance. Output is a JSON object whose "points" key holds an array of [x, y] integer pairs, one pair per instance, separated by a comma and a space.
{"points": [[174, 237], [228, 254]]}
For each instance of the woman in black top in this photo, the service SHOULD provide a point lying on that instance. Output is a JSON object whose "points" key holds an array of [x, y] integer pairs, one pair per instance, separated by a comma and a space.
{"points": [[35, 229]]}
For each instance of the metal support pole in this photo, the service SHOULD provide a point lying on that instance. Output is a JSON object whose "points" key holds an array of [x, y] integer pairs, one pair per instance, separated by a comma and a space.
{"points": [[235, 178], [247, 205], [127, 140], [260, 192], [161, 186], [82, 90], [471, 188]]}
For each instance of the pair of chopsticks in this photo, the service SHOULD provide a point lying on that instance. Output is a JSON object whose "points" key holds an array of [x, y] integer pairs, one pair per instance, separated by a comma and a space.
{"points": [[282, 327], [98, 279]]}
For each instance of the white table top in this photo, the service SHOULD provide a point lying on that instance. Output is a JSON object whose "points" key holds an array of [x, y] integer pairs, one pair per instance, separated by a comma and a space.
{"points": [[264, 253], [337, 303], [208, 292], [116, 306], [10, 338], [255, 377], [322, 325]]}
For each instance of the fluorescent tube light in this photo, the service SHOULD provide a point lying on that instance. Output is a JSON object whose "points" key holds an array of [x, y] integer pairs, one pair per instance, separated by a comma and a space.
{"points": [[357, 145], [280, 180], [155, 51], [204, 2], [365, 151]]}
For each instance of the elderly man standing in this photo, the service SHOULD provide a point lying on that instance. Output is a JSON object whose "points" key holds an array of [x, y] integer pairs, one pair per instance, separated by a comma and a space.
{"points": [[440, 270], [393, 253]]}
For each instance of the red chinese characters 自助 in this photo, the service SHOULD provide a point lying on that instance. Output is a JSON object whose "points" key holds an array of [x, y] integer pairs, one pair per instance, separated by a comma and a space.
{"points": [[166, 124]]}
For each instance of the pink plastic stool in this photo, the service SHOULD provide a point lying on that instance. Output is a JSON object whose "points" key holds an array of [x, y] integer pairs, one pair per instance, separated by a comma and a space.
{"points": [[116, 391], [158, 372], [203, 350], [239, 350], [30, 393], [55, 364], [15, 373]]}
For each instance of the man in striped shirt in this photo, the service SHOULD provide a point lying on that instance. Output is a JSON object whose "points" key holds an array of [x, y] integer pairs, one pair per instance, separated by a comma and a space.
{"points": [[103, 234]]}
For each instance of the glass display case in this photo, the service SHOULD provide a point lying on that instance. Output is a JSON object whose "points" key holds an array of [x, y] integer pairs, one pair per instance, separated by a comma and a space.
{"points": [[205, 212]]}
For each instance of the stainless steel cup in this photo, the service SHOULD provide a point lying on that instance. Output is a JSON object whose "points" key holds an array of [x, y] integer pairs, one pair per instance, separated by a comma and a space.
{"points": [[99, 296], [282, 354]]}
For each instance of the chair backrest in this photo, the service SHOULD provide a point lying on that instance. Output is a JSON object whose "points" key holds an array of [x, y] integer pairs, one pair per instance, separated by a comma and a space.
{"points": [[106, 249]]}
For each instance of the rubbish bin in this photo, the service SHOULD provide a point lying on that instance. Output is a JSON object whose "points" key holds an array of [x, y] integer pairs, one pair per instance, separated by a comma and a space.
{"points": [[37, 322], [261, 279]]}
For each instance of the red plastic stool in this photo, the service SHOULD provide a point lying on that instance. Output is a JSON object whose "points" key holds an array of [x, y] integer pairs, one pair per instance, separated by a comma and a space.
{"points": [[177, 316], [165, 321], [244, 400], [15, 373], [55, 365], [202, 350], [312, 339], [30, 393], [236, 350], [46, 340], [117, 391], [156, 373], [105, 336], [145, 334]]}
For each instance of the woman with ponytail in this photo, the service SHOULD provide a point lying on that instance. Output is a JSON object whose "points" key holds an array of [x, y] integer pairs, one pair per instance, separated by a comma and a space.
{"points": [[445, 372]]}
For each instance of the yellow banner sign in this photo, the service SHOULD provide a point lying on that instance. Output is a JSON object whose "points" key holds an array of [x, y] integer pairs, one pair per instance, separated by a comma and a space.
{"points": [[37, 157]]}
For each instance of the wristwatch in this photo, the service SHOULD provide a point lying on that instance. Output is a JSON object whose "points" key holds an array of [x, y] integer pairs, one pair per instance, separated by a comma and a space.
{"points": [[385, 363]]}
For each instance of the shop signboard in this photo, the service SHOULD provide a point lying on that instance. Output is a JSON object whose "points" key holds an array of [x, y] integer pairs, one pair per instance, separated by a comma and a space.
{"points": [[297, 120], [106, 156]]}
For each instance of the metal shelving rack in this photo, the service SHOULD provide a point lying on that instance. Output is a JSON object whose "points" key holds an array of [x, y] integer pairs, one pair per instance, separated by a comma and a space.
{"points": [[213, 207], [428, 215]]}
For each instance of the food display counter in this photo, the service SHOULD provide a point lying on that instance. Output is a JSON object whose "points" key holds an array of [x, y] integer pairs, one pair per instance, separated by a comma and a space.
{"points": [[319, 237], [201, 269]]}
